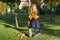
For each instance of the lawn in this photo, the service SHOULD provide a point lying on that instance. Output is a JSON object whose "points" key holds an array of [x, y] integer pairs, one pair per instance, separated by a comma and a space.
{"points": [[50, 30]]}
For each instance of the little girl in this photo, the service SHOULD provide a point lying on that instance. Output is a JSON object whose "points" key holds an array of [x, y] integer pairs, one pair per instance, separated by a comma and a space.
{"points": [[33, 18]]}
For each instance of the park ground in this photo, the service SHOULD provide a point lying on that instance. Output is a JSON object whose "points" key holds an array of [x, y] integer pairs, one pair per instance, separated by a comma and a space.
{"points": [[50, 30]]}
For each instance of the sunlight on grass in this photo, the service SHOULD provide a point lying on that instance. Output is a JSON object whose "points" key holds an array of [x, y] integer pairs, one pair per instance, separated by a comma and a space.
{"points": [[49, 30]]}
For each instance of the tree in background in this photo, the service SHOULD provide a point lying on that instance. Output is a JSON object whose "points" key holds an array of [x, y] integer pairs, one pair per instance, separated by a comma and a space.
{"points": [[2, 7]]}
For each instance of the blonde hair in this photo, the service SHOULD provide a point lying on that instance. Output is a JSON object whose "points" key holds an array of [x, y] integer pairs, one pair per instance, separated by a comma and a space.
{"points": [[34, 8]]}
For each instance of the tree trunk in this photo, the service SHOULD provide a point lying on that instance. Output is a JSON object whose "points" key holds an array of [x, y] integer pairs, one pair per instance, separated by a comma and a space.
{"points": [[16, 20]]}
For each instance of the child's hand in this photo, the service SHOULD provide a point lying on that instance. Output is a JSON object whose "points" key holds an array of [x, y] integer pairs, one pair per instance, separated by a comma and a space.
{"points": [[36, 17], [30, 17]]}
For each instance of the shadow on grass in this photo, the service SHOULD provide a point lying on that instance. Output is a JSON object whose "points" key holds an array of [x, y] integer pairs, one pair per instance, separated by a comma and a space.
{"points": [[53, 23], [44, 30], [20, 29], [50, 31], [10, 20]]}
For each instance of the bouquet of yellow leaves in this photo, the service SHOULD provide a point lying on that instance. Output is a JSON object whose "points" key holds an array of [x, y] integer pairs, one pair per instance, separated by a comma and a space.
{"points": [[33, 15]]}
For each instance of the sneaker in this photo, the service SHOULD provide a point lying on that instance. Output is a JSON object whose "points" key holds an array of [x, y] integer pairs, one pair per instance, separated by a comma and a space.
{"points": [[37, 35]]}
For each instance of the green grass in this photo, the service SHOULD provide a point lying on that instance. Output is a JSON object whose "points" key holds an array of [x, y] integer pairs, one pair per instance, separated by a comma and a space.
{"points": [[50, 30]]}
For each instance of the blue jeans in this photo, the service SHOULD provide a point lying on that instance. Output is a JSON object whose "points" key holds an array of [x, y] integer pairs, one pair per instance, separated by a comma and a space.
{"points": [[37, 27]]}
